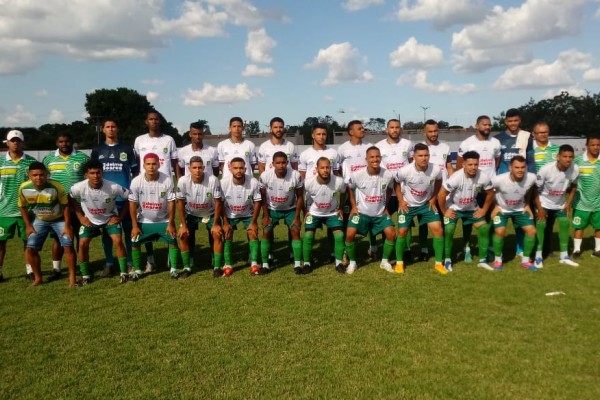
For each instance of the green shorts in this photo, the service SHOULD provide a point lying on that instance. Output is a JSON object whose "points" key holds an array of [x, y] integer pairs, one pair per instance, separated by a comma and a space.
{"points": [[152, 232], [8, 225], [235, 221], [96, 230], [287, 216], [519, 218], [553, 214], [581, 219], [365, 224], [313, 222], [466, 217], [194, 222], [425, 214]]}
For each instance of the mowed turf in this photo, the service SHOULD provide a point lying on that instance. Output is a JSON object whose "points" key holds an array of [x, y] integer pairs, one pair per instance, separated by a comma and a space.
{"points": [[473, 334]]}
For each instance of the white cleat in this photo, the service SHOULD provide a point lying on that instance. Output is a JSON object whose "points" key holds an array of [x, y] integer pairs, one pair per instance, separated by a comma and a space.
{"points": [[350, 269], [387, 266], [568, 261], [485, 266]]}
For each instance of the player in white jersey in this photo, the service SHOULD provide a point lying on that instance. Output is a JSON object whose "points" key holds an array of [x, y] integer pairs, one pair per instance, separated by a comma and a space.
{"points": [[152, 210], [95, 204], [514, 191], [458, 199], [199, 200], [276, 143], [307, 164], [208, 153], [242, 200], [556, 182], [369, 190], [157, 143], [282, 199], [236, 146], [326, 193]]}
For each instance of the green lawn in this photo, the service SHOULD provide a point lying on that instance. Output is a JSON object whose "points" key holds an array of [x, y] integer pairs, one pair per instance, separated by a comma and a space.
{"points": [[473, 334]]}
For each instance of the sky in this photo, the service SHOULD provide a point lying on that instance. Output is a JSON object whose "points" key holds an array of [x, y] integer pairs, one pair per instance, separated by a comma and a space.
{"points": [[351, 59]]}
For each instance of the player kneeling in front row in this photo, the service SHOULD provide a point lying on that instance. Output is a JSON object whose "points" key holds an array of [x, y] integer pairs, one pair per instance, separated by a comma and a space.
{"points": [[282, 198], [95, 204], [418, 185], [326, 194], [462, 189], [47, 201], [556, 182], [199, 202], [368, 214], [242, 204], [152, 210], [514, 191]]}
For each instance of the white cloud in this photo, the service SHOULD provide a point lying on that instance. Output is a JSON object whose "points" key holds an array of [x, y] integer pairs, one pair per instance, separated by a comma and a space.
{"points": [[259, 46], [414, 55], [442, 13], [356, 5], [41, 93], [255, 70], [56, 117], [592, 75], [196, 20], [151, 82], [536, 74], [20, 116], [418, 79], [477, 60], [219, 94], [343, 64], [152, 96], [574, 59], [533, 21]]}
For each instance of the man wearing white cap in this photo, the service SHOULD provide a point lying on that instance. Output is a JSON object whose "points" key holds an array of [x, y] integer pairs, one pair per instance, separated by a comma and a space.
{"points": [[13, 172]]}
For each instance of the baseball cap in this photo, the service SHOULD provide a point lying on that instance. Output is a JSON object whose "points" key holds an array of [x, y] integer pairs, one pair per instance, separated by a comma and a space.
{"points": [[14, 134]]}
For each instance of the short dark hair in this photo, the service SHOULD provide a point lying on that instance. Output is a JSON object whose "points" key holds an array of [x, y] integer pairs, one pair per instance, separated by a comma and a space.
{"points": [[392, 120], [37, 165], [196, 159], [323, 159], [94, 163], [197, 125], [237, 159], [512, 112], [104, 121], [236, 119], [566, 147], [276, 119], [66, 134], [470, 155], [482, 117], [518, 158], [420, 146], [372, 148], [153, 111], [430, 122], [352, 123], [590, 137], [319, 126], [280, 154]]}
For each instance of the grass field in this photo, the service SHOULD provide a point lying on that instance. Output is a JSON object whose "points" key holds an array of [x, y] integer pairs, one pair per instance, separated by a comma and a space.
{"points": [[473, 334]]}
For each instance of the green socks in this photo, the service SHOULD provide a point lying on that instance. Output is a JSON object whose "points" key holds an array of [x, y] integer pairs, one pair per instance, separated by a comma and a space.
{"points": [[338, 248], [351, 250], [449, 230], [122, 264], [483, 238], [307, 245], [400, 246], [438, 248], [388, 247], [563, 233]]}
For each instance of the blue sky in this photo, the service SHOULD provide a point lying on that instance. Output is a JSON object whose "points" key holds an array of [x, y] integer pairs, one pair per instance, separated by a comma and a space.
{"points": [[214, 59]]}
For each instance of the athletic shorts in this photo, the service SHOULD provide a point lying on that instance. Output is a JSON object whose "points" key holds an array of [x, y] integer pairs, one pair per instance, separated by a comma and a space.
{"points": [[152, 232], [8, 226], [96, 230], [287, 216], [365, 224], [42, 228], [314, 222], [519, 218], [235, 221], [466, 217], [193, 222], [581, 219], [424, 212]]}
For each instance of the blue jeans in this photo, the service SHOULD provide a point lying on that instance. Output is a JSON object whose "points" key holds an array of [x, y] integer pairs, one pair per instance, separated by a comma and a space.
{"points": [[42, 228]]}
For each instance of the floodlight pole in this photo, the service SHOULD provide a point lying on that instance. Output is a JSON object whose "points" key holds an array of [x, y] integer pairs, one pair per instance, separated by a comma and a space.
{"points": [[425, 108]]}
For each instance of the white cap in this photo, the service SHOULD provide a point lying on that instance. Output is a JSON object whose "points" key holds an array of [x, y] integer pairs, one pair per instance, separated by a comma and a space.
{"points": [[14, 134]]}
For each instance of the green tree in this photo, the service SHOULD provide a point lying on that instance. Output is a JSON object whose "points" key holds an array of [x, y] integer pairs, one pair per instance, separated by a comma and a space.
{"points": [[252, 128], [375, 124]]}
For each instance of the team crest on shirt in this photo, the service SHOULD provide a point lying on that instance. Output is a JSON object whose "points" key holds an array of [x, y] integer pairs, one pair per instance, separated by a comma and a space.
{"points": [[431, 181], [444, 156], [383, 186], [123, 156], [76, 165], [1, 231], [165, 150], [477, 188], [291, 189], [246, 153], [249, 197], [163, 194], [107, 200], [576, 221], [209, 194]]}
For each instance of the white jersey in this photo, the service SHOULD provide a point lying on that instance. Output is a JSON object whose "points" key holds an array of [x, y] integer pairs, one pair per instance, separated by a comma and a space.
{"points": [[199, 197], [488, 151], [267, 149], [463, 190], [324, 197], [439, 154], [99, 205], [352, 157], [553, 185], [371, 190], [309, 157], [228, 150], [209, 156], [239, 199], [510, 194], [395, 155], [418, 186], [153, 197], [163, 146], [281, 192]]}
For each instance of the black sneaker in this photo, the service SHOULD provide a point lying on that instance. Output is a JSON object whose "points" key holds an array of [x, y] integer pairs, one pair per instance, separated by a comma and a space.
{"points": [[136, 277], [307, 269], [576, 255], [1, 278], [217, 273], [298, 271], [55, 275], [424, 256], [263, 271], [124, 279], [596, 254], [174, 275], [185, 274], [341, 268], [30, 276]]}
